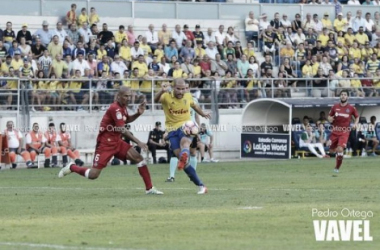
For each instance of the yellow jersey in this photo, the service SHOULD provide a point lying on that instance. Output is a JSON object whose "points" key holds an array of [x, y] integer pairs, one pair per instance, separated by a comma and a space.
{"points": [[12, 84], [197, 70], [146, 86], [125, 53], [53, 85], [120, 36], [135, 83], [101, 54], [356, 84], [127, 83], [143, 68], [94, 18], [43, 85], [159, 53], [82, 19], [177, 111], [75, 87]]}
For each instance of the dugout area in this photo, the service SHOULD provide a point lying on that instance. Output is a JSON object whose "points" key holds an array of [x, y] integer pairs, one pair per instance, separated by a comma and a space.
{"points": [[265, 129]]}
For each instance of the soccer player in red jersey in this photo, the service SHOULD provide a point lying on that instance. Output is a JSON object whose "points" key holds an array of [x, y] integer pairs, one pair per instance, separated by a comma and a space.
{"points": [[109, 142], [340, 117]]}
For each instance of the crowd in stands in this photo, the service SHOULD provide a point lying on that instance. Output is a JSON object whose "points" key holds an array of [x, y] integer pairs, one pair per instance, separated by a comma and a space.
{"points": [[59, 66], [314, 134]]}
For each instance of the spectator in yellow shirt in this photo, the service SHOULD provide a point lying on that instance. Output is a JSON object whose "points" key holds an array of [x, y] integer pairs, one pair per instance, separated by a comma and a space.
{"points": [[324, 37], [120, 35], [307, 70], [83, 17], [125, 52], [249, 51], [287, 51], [199, 51], [141, 66], [94, 17], [354, 51], [361, 37], [349, 37], [101, 51], [326, 22], [357, 87], [159, 52], [340, 23]]}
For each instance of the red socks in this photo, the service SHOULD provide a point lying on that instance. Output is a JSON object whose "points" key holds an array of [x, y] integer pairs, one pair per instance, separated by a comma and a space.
{"points": [[78, 170], [339, 160], [144, 172]]}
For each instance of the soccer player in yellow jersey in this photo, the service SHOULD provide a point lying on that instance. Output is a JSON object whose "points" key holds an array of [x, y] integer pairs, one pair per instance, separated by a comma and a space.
{"points": [[176, 105]]}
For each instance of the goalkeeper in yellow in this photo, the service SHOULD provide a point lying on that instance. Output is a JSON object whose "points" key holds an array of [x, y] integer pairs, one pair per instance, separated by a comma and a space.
{"points": [[176, 105]]}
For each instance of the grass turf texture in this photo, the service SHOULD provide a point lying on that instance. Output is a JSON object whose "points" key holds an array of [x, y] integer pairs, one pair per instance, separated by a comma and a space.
{"points": [[113, 211]]}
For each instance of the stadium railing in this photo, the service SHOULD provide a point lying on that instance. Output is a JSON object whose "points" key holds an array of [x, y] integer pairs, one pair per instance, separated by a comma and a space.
{"points": [[216, 93]]}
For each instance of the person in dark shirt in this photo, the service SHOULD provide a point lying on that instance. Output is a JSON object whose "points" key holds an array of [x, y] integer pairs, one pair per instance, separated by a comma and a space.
{"points": [[110, 49], [105, 35], [156, 141], [276, 23], [38, 49], [24, 33], [266, 65], [198, 34], [154, 65]]}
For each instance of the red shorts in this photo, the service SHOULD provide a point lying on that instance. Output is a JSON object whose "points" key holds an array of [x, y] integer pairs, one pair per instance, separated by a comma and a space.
{"points": [[339, 140], [104, 153]]}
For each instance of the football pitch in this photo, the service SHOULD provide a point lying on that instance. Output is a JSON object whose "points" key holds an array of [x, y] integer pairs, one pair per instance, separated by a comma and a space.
{"points": [[250, 205]]}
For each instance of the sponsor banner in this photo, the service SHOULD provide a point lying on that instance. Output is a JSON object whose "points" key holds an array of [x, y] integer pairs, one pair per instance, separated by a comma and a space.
{"points": [[265, 146]]}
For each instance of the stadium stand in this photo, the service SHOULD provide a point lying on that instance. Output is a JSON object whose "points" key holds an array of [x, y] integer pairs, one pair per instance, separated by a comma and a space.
{"points": [[303, 53]]}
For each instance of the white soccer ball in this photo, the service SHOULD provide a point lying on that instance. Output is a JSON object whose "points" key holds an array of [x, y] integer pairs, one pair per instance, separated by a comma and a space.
{"points": [[190, 128]]}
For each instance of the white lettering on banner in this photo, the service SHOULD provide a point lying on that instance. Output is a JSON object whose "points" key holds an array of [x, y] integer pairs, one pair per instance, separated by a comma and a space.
{"points": [[342, 230]]}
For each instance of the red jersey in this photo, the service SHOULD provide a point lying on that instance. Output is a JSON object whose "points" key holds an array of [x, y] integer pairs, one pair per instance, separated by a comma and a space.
{"points": [[115, 116], [342, 117]]}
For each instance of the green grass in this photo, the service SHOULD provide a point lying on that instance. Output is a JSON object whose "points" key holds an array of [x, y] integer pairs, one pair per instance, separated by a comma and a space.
{"points": [[113, 211]]}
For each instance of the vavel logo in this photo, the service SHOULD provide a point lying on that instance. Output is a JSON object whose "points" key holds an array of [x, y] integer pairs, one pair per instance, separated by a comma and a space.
{"points": [[355, 225]]}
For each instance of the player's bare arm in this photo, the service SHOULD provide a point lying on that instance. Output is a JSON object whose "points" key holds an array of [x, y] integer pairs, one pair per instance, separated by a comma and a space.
{"points": [[129, 136], [164, 88], [330, 119], [200, 111], [197, 119], [140, 111]]}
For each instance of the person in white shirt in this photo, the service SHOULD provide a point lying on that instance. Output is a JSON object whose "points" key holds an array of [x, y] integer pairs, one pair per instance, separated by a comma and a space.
{"points": [[118, 65], [152, 38], [317, 25], [368, 24], [136, 51], [299, 37], [211, 51], [358, 21], [80, 64], [209, 36], [251, 27], [326, 2], [264, 23], [164, 67], [178, 36], [285, 21], [220, 36], [349, 21], [308, 139], [15, 145], [60, 32], [353, 2], [85, 33]]}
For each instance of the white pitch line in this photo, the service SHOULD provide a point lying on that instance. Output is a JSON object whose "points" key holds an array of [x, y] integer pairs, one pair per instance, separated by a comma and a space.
{"points": [[250, 208], [51, 246], [174, 188]]}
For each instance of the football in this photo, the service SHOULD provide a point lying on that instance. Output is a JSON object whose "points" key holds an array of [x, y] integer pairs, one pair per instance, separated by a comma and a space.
{"points": [[190, 128]]}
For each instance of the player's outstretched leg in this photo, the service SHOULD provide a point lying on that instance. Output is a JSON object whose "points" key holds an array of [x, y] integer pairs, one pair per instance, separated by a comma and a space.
{"points": [[85, 172]]}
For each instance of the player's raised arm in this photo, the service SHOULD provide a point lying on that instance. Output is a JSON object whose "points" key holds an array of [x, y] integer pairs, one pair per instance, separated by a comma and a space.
{"points": [[164, 88], [140, 111]]}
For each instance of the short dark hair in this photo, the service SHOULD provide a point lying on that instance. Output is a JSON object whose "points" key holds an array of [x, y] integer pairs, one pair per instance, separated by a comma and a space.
{"points": [[51, 124], [344, 91]]}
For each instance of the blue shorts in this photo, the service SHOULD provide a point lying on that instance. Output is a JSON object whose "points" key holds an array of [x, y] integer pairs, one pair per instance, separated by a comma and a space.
{"points": [[175, 138]]}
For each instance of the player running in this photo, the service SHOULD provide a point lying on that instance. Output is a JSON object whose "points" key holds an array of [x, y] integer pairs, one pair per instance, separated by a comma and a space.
{"points": [[109, 142], [176, 105], [193, 146], [340, 117]]}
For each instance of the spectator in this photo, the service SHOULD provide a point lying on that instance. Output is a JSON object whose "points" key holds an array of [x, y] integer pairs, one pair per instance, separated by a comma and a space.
{"points": [[263, 22], [353, 2], [55, 48], [45, 64], [299, 37], [24, 33], [320, 134], [243, 66], [231, 64], [320, 84], [187, 51], [152, 37], [230, 36], [71, 16], [367, 85], [93, 64], [219, 66], [131, 35], [78, 49], [211, 51], [297, 24], [361, 37], [110, 48], [189, 35], [44, 34], [8, 36], [3, 51], [165, 67], [105, 35], [157, 142], [356, 86], [83, 17], [251, 27], [73, 36], [199, 51], [204, 145], [85, 34], [238, 50], [159, 52], [24, 48], [326, 22], [171, 51], [266, 65], [209, 37], [94, 17], [154, 65], [198, 35], [141, 66], [178, 36], [59, 66], [70, 65], [220, 37], [164, 36], [269, 38]]}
